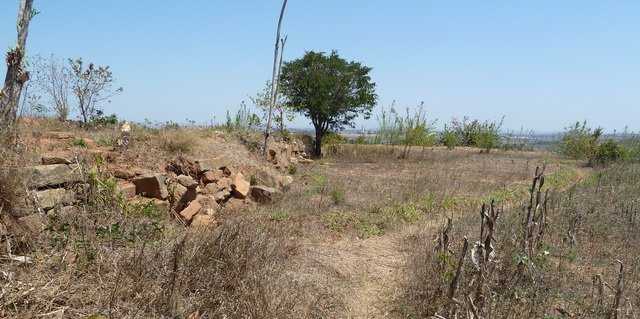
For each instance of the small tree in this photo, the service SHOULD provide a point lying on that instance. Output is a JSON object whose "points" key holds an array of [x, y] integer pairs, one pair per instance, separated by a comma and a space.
{"points": [[328, 90], [263, 99], [53, 79], [92, 86]]}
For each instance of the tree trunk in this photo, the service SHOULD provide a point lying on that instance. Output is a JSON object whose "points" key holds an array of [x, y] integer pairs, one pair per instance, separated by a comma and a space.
{"points": [[317, 151], [16, 76], [275, 98], [267, 130]]}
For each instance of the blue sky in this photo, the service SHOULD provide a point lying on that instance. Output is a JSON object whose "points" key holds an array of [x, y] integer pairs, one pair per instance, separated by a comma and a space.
{"points": [[541, 64]]}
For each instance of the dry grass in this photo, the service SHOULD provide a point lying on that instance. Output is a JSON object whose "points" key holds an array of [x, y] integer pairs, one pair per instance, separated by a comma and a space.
{"points": [[589, 227], [370, 193], [131, 261], [333, 247]]}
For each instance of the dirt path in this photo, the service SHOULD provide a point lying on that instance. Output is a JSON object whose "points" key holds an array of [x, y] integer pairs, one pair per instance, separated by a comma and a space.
{"points": [[371, 271]]}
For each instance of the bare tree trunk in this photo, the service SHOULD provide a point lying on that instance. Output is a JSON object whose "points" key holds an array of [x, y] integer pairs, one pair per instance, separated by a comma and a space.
{"points": [[275, 98], [16, 76], [267, 131]]}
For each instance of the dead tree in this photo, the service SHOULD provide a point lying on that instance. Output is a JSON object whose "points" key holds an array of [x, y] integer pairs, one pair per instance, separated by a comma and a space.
{"points": [[455, 282], [617, 300], [534, 223], [16, 75], [275, 94], [274, 74]]}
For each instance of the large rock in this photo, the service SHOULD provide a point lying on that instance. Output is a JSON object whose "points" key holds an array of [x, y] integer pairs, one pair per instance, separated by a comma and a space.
{"points": [[152, 186], [52, 175], [127, 189], [212, 176], [239, 186], [50, 198], [263, 194], [187, 181], [222, 195], [272, 178], [191, 210], [209, 203], [123, 173], [181, 196], [279, 153]]}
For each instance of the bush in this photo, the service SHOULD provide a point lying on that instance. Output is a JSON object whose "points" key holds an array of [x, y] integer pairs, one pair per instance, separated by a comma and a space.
{"points": [[449, 138], [331, 141], [473, 133], [608, 152], [580, 141], [104, 120]]}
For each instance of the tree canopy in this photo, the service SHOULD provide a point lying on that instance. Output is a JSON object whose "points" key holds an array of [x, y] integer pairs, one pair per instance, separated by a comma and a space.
{"points": [[329, 90]]}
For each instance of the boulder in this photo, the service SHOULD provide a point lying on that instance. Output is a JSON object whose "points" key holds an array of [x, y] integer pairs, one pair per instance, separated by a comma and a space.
{"points": [[279, 153], [272, 178], [183, 166], [53, 160], [187, 181], [124, 173], [181, 196], [239, 186], [50, 198], [224, 183], [53, 175], [222, 195], [263, 194], [127, 189], [212, 176], [208, 203], [191, 210], [152, 186]]}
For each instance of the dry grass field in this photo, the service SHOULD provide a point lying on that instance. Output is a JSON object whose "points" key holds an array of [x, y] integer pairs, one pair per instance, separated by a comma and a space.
{"points": [[351, 237]]}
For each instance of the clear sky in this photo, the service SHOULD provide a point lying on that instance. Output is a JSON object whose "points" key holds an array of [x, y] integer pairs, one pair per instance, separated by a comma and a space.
{"points": [[542, 64]]}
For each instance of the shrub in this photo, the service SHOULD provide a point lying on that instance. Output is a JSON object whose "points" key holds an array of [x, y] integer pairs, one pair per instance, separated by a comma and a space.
{"points": [[104, 120], [331, 141], [580, 141], [484, 135], [608, 152], [449, 138], [79, 142]]}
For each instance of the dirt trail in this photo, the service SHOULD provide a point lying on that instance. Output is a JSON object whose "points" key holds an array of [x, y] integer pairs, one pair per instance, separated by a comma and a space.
{"points": [[371, 271]]}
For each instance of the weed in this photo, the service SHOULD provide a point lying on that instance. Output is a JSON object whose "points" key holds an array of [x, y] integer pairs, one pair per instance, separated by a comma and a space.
{"points": [[337, 196], [366, 230], [79, 142], [279, 216]]}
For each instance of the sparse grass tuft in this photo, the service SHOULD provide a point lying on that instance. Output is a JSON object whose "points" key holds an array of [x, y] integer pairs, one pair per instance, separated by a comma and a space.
{"points": [[177, 141]]}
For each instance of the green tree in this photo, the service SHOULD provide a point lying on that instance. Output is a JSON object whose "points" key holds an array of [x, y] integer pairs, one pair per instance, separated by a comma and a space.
{"points": [[329, 90]]}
